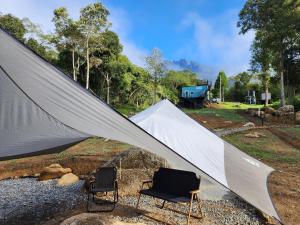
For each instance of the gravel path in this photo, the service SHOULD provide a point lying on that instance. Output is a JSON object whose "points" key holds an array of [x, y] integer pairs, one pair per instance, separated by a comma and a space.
{"points": [[28, 201]]}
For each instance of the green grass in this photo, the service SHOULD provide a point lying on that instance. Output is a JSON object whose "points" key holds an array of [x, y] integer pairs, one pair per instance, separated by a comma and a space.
{"points": [[225, 114], [264, 148], [237, 105], [96, 145], [128, 110], [295, 131]]}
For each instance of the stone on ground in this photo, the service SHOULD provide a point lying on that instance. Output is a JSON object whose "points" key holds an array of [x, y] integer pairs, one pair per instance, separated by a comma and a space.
{"points": [[53, 171], [254, 135], [94, 219], [67, 179], [249, 124]]}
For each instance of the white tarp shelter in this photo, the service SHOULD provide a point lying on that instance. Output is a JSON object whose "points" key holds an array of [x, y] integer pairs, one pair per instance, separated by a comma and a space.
{"points": [[42, 110]]}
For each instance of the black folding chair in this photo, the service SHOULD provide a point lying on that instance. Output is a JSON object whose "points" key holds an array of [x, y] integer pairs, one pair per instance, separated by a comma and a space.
{"points": [[105, 181]]}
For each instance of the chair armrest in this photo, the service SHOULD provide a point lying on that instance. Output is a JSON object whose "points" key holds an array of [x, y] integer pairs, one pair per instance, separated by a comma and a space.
{"points": [[195, 191], [147, 181]]}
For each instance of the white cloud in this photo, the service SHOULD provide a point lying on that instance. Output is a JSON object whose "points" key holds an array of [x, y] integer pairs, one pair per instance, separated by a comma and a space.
{"points": [[122, 25], [218, 42]]}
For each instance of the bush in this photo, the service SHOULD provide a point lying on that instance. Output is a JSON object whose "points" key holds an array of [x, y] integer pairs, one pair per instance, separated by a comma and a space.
{"points": [[296, 103]]}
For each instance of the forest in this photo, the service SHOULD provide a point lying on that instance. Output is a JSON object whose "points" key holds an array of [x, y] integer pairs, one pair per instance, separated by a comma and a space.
{"points": [[91, 53]]}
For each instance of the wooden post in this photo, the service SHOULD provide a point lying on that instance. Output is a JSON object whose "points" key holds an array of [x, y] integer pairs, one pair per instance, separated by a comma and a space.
{"points": [[120, 165]]}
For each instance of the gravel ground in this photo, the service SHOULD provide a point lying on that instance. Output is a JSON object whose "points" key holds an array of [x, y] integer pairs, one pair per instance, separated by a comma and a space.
{"points": [[32, 201], [28, 201]]}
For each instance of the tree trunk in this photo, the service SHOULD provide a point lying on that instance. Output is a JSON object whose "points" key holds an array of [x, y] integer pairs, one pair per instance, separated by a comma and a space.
{"points": [[108, 90], [266, 93], [223, 95], [73, 65], [291, 95], [77, 67], [282, 95], [220, 88], [155, 89], [87, 65]]}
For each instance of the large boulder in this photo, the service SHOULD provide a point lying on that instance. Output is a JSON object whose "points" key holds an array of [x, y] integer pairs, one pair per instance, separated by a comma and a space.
{"points": [[53, 171], [297, 117], [67, 179], [286, 110]]}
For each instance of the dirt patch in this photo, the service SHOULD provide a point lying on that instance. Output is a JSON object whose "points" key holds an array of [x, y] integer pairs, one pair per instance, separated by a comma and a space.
{"points": [[82, 158], [213, 123], [285, 192], [287, 137], [284, 186]]}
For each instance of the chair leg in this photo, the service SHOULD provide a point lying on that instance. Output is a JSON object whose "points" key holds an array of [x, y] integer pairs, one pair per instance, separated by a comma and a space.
{"points": [[138, 201], [190, 210], [199, 205], [88, 201], [163, 205]]}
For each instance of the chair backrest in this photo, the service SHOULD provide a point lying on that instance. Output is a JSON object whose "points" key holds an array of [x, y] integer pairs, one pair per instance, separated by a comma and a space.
{"points": [[105, 177], [175, 182]]}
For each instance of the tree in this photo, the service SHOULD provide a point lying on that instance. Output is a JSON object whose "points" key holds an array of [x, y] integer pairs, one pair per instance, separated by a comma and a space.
{"points": [[68, 36], [13, 25], [261, 59], [156, 68], [93, 21], [221, 84], [112, 65], [279, 20]]}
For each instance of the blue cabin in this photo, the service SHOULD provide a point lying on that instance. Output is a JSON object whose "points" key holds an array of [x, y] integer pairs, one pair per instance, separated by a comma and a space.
{"points": [[194, 91], [194, 96]]}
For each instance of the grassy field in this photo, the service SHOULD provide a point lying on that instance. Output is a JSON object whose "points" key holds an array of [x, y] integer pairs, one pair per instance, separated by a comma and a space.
{"points": [[270, 149], [225, 114], [238, 105]]}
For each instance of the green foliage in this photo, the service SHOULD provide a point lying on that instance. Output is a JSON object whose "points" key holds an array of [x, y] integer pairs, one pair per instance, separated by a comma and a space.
{"points": [[156, 68], [13, 25], [240, 87], [222, 78], [277, 37], [173, 80]]}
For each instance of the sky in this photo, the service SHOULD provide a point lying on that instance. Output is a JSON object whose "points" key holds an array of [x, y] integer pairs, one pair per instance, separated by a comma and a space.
{"points": [[203, 31]]}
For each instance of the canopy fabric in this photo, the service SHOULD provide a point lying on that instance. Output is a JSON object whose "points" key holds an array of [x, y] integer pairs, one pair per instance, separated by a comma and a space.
{"points": [[43, 110]]}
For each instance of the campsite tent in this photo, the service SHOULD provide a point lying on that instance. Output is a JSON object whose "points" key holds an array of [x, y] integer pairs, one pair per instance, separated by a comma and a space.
{"points": [[42, 110]]}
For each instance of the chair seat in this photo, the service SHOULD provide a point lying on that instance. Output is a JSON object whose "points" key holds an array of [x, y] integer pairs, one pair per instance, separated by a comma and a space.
{"points": [[95, 190], [167, 197]]}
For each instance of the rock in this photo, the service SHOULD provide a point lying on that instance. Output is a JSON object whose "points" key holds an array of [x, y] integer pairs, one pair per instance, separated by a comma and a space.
{"points": [[286, 108], [254, 135], [228, 122], [268, 116], [249, 124], [204, 121], [53, 171], [87, 219], [67, 179], [269, 110], [55, 165], [297, 117]]}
